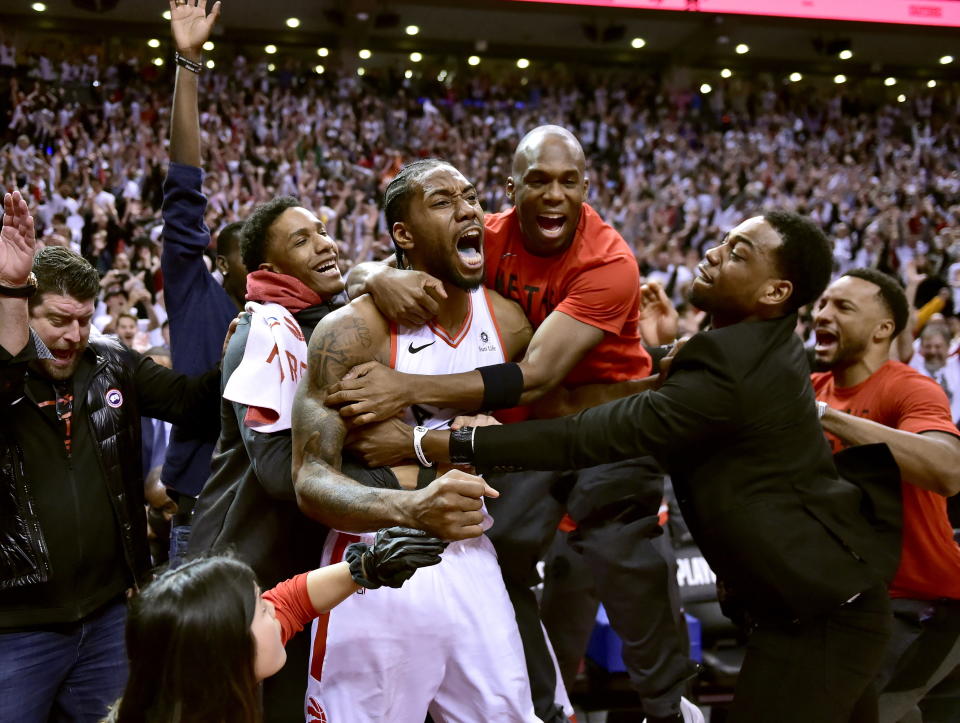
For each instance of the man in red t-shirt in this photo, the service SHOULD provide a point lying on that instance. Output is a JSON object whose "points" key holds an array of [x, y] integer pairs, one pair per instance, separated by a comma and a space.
{"points": [[579, 284], [865, 397]]}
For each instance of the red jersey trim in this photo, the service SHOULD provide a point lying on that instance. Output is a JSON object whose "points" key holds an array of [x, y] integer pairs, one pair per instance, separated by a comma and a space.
{"points": [[461, 333], [394, 332], [323, 621]]}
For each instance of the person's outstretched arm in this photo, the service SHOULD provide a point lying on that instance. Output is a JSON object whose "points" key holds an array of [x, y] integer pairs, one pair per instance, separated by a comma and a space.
{"points": [[18, 243]]}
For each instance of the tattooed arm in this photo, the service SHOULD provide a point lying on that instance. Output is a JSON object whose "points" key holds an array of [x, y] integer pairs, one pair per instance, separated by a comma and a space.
{"points": [[448, 508]]}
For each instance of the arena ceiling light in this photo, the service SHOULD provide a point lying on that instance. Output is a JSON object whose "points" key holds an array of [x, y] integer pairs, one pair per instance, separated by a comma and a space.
{"points": [[208, 45], [408, 74], [270, 49], [211, 64], [153, 43], [890, 81], [742, 49], [165, 14], [638, 43], [523, 63], [271, 67], [845, 54], [946, 60], [726, 73], [293, 22], [364, 54], [319, 70], [931, 84], [705, 88], [441, 76], [361, 71], [901, 98], [795, 77], [412, 29], [473, 60], [415, 57], [838, 79], [39, 7], [157, 61], [323, 52]]}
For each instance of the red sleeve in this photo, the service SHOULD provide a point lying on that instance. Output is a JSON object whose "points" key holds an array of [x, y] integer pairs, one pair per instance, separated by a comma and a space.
{"points": [[605, 295], [293, 606], [923, 407]]}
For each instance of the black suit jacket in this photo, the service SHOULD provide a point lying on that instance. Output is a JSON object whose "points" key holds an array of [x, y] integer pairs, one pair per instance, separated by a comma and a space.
{"points": [[735, 425]]}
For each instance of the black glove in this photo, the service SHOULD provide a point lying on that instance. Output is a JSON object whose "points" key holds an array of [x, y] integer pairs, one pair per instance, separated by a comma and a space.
{"points": [[394, 556]]}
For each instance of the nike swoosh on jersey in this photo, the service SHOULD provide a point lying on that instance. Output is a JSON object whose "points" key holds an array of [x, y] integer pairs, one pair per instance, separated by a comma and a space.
{"points": [[414, 349]]}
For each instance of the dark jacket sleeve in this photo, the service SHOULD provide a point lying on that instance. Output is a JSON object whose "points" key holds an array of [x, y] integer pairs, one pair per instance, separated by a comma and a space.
{"points": [[698, 400], [191, 402]]}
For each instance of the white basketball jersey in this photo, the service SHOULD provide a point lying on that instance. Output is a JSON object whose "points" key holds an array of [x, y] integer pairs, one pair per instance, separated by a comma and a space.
{"points": [[430, 350]]}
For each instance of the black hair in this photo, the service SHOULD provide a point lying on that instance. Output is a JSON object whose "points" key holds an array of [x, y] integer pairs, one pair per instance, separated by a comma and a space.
{"points": [[805, 257], [61, 271], [190, 647], [891, 293], [229, 238], [396, 198], [253, 240]]}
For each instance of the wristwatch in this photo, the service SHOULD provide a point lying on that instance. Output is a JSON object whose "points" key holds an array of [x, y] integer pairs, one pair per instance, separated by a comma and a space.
{"points": [[22, 292]]}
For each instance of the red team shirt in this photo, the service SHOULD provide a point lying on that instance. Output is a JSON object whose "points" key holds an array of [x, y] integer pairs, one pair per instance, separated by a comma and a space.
{"points": [[596, 281], [898, 396]]}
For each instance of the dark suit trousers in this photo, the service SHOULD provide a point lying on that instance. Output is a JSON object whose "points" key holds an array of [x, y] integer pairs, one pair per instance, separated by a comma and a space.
{"points": [[615, 506], [820, 670]]}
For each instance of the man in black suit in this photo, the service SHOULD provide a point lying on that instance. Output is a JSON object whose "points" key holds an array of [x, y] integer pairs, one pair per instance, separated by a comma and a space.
{"points": [[735, 425]]}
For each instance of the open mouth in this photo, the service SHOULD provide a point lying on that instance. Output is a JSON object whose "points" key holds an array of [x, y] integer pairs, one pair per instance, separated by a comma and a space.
{"points": [[551, 224], [63, 355], [469, 247], [703, 276], [327, 267], [825, 340]]}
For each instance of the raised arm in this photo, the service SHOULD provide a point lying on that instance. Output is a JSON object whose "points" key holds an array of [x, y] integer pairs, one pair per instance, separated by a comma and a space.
{"points": [[18, 243], [448, 508], [191, 27]]}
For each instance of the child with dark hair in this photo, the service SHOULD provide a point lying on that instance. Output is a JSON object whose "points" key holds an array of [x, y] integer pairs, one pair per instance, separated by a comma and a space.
{"points": [[202, 637]]}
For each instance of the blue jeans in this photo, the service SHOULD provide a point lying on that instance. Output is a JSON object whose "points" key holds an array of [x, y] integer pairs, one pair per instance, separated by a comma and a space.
{"points": [[69, 672]]}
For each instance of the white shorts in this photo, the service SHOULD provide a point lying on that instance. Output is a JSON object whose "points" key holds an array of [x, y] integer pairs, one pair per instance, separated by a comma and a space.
{"points": [[446, 642]]}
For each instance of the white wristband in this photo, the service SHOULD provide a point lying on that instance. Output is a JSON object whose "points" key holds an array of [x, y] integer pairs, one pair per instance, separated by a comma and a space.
{"points": [[821, 409], [418, 433]]}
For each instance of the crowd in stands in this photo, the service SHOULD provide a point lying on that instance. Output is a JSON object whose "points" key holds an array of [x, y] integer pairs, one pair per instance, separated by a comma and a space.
{"points": [[671, 169]]}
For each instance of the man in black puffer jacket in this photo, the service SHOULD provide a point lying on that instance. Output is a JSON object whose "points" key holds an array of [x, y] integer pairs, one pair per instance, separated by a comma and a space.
{"points": [[72, 525]]}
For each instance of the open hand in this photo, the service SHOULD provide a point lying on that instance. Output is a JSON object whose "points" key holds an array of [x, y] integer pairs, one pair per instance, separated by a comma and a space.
{"points": [[18, 241], [658, 316], [191, 26]]}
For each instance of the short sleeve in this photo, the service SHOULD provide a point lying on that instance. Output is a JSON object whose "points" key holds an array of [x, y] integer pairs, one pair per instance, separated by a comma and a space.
{"points": [[604, 296], [924, 407]]}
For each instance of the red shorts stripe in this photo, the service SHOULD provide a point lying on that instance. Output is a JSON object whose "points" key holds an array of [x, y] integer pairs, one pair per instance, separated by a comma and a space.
{"points": [[320, 639]]}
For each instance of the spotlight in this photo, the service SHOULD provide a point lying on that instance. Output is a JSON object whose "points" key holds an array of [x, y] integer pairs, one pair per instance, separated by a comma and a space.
{"points": [[931, 84], [441, 76], [408, 74], [845, 54], [415, 57], [726, 73], [270, 49], [271, 67], [157, 61], [412, 30], [705, 88], [795, 77], [473, 60], [293, 22], [319, 70], [638, 43], [890, 81], [901, 98], [211, 64], [361, 71], [364, 54], [323, 52], [153, 43], [39, 7], [523, 63], [742, 49], [165, 14], [208, 45], [946, 60], [838, 79]]}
